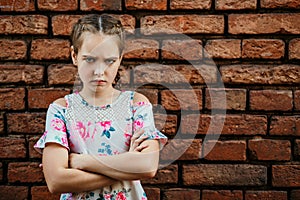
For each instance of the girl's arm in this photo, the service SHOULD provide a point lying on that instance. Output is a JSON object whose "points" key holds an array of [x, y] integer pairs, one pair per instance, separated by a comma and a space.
{"points": [[61, 179]]}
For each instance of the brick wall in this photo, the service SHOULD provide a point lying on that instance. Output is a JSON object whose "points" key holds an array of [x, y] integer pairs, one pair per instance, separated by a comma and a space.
{"points": [[255, 47]]}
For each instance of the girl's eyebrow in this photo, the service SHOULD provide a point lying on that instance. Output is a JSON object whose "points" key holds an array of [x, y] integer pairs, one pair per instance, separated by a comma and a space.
{"points": [[88, 56]]}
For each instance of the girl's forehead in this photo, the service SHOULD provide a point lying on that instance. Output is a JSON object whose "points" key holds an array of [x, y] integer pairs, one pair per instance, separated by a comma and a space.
{"points": [[99, 44]]}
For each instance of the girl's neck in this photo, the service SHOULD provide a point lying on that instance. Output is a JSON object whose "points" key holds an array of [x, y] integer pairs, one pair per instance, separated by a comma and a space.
{"points": [[99, 97]]}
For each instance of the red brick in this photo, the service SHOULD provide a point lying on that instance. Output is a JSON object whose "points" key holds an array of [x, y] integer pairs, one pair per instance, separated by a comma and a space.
{"points": [[294, 49], [234, 124], [193, 5], [47, 49], [28, 74], [12, 147], [12, 98], [235, 5], [32, 152], [267, 149], [42, 192], [151, 94], [270, 195], [263, 48], [175, 74], [152, 193], [24, 172], [181, 149], [41, 98], [100, 5], [260, 74], [222, 195], [26, 122], [128, 23], [285, 125], [14, 50], [23, 24], [297, 149], [224, 150], [167, 124], [17, 5], [166, 175], [141, 49], [146, 5], [63, 24], [229, 99], [181, 194], [61, 74], [295, 194], [224, 175], [1, 175], [1, 123], [297, 99], [286, 176], [223, 49], [271, 23], [181, 99], [13, 192], [186, 24], [268, 100], [280, 4], [182, 49], [59, 5]]}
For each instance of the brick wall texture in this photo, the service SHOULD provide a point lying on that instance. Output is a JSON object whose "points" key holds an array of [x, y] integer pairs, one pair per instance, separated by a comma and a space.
{"points": [[248, 50]]}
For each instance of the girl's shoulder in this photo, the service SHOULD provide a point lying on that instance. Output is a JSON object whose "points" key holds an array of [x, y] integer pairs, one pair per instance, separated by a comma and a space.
{"points": [[138, 97], [61, 102]]}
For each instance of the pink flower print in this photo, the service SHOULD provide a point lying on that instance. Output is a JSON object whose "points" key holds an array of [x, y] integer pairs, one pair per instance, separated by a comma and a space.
{"points": [[82, 130], [127, 137], [106, 125], [58, 124], [107, 196], [64, 140], [120, 196], [144, 198], [138, 124]]}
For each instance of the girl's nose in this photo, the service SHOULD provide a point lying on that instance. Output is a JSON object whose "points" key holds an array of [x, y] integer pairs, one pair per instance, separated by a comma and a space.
{"points": [[100, 69]]}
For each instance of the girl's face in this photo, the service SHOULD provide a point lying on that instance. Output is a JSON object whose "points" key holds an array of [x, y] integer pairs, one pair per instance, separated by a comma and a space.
{"points": [[98, 60]]}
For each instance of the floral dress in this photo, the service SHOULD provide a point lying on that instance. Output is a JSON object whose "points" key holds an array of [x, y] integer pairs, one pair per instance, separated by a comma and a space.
{"points": [[102, 131]]}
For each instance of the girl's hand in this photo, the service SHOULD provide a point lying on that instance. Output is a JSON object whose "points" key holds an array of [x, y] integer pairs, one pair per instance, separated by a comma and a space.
{"points": [[136, 141]]}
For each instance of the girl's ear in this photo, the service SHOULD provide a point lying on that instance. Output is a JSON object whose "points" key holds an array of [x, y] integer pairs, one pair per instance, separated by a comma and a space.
{"points": [[74, 56]]}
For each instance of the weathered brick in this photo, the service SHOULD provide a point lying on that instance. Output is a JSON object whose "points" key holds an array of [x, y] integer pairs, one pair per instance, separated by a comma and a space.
{"points": [[12, 98], [29, 74], [222, 195], [268, 100], [294, 49], [152, 193], [63, 24], [1, 123], [182, 49], [1, 174], [267, 149], [270, 195], [17, 5], [41, 98], [280, 4], [100, 5], [25, 172], [14, 49], [234, 124], [235, 5], [26, 122], [128, 23], [297, 149], [263, 48], [61, 74], [166, 175], [229, 99], [32, 152], [146, 5], [223, 48], [141, 49], [168, 75], [186, 24], [181, 99], [285, 176], [224, 174], [224, 150], [271, 23], [151, 94], [285, 125], [59, 5], [11, 147], [47, 49], [190, 5], [295, 194], [181, 149], [42, 192], [23, 24], [167, 124], [181, 194], [260, 74], [13, 192]]}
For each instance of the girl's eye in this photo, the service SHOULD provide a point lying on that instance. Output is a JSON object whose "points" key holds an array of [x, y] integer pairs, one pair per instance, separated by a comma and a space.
{"points": [[89, 59], [110, 61]]}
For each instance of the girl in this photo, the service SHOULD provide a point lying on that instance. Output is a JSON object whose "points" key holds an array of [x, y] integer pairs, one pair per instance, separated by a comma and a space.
{"points": [[99, 141]]}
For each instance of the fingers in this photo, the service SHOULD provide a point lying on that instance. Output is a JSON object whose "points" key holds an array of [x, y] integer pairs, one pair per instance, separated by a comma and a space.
{"points": [[136, 140]]}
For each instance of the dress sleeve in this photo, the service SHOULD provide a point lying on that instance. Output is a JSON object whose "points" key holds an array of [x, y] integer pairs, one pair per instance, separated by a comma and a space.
{"points": [[55, 128], [143, 119]]}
